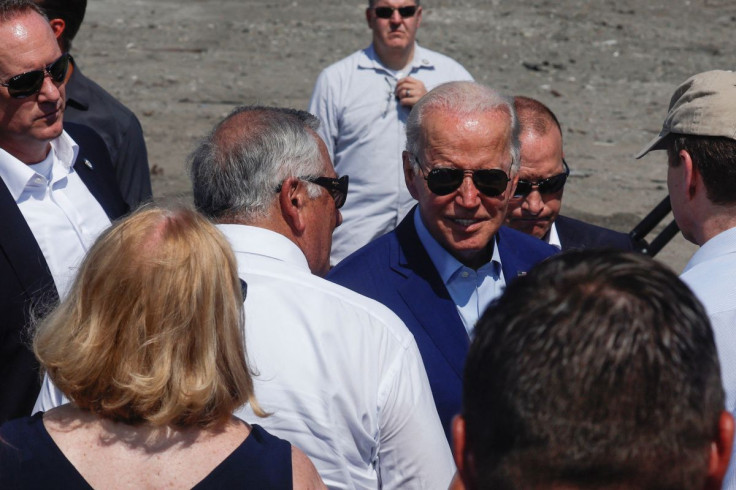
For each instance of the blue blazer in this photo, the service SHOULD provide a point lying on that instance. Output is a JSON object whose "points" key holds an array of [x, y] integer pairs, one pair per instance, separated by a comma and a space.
{"points": [[396, 271], [26, 279], [575, 234]]}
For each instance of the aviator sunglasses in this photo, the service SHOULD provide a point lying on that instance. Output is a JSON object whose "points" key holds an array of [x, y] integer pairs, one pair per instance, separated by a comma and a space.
{"points": [[545, 186], [30, 82], [491, 182], [387, 12], [337, 188]]}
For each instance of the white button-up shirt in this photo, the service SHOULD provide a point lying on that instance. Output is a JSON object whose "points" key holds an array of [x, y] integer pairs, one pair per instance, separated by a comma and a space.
{"points": [[340, 373], [471, 290], [63, 215], [363, 126], [711, 274]]}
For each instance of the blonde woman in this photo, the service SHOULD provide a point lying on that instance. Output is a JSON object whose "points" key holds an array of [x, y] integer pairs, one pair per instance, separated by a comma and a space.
{"points": [[148, 346]]}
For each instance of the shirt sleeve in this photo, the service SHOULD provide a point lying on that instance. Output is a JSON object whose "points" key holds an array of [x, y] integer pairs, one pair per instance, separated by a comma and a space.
{"points": [[323, 105], [413, 451]]}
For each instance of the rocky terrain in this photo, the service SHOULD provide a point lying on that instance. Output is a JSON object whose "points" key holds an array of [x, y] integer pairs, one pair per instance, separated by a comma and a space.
{"points": [[606, 68]]}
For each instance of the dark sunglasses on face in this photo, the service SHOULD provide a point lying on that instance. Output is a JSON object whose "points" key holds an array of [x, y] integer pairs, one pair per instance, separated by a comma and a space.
{"points": [[30, 82], [338, 188], [545, 186], [387, 12], [443, 181]]}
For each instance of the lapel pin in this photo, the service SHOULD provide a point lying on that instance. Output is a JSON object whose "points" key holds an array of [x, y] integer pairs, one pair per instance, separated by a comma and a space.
{"points": [[88, 164], [520, 273]]}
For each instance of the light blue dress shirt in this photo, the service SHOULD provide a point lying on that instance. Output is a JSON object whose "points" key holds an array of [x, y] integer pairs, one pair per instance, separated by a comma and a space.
{"points": [[471, 290]]}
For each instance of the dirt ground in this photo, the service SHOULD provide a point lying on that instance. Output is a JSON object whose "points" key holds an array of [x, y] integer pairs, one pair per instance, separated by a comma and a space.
{"points": [[606, 68]]}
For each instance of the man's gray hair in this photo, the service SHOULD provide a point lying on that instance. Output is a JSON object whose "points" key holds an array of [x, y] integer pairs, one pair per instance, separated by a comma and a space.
{"points": [[237, 169], [462, 99]]}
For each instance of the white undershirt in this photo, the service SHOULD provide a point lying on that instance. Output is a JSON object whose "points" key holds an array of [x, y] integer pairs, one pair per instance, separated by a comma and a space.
{"points": [[63, 215]]}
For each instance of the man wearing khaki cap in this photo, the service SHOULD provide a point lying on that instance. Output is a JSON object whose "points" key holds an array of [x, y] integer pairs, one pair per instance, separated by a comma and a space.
{"points": [[699, 134]]}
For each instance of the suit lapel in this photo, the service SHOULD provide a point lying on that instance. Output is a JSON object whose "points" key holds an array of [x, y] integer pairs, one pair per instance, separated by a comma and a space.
{"points": [[21, 249], [426, 296], [98, 187]]}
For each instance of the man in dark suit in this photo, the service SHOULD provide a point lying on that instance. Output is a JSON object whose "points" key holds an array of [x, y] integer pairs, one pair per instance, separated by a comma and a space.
{"points": [[57, 192], [449, 257], [89, 104], [535, 206]]}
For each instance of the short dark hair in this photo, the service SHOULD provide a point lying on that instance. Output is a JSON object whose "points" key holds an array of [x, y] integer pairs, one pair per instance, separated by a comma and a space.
{"points": [[9, 9], [71, 12], [598, 368], [535, 116], [715, 159], [371, 3]]}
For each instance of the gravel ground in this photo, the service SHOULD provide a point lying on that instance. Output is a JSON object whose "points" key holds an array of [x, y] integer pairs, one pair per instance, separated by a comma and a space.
{"points": [[607, 70]]}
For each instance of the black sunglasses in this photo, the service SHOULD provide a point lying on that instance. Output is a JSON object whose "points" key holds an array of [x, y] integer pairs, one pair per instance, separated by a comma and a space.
{"points": [[387, 12], [338, 188], [545, 186], [443, 181], [30, 82]]}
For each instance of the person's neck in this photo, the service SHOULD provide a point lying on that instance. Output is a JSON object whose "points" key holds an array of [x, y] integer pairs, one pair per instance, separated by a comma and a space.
{"points": [[30, 154], [722, 218], [394, 59]]}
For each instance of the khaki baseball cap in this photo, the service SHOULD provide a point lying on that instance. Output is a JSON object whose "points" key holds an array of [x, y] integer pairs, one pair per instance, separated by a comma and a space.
{"points": [[705, 105]]}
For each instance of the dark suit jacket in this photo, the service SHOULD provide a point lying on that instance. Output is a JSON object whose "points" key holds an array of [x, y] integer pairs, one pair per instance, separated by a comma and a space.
{"points": [[396, 271], [89, 104], [575, 234], [26, 280]]}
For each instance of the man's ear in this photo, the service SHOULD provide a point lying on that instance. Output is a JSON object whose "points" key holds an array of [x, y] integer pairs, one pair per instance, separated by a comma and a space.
{"points": [[409, 174], [58, 26], [690, 174], [292, 198], [463, 460], [368, 17], [512, 184], [720, 452]]}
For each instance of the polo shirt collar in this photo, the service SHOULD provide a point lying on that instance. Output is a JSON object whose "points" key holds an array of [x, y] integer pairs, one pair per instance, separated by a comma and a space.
{"points": [[368, 59]]}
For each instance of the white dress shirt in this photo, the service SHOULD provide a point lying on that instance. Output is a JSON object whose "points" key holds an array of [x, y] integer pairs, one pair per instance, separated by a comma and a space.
{"points": [[63, 215], [471, 290], [363, 126], [552, 237], [711, 274], [340, 373]]}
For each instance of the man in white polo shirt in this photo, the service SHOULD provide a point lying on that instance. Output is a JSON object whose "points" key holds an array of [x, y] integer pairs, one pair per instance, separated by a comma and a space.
{"points": [[55, 197], [363, 102]]}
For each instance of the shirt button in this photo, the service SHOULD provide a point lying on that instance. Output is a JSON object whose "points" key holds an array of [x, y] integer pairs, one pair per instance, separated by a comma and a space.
{"points": [[465, 274]]}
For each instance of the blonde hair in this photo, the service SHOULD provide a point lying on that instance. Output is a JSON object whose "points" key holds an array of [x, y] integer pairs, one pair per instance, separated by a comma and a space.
{"points": [[152, 330]]}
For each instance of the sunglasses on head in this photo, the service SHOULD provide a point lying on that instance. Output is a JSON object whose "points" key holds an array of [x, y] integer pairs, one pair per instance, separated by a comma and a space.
{"points": [[442, 181], [387, 12], [30, 82], [544, 186], [337, 188]]}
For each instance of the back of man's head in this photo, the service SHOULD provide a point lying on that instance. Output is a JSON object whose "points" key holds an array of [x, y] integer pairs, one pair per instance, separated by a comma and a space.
{"points": [[596, 370], [71, 12], [534, 116], [237, 168]]}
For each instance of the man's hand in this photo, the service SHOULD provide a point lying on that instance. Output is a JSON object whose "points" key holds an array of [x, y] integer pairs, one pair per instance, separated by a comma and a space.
{"points": [[409, 90]]}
